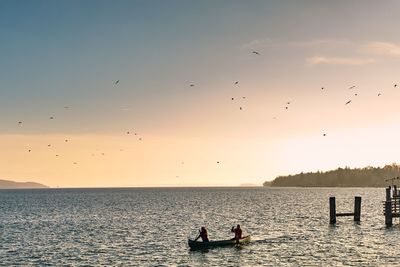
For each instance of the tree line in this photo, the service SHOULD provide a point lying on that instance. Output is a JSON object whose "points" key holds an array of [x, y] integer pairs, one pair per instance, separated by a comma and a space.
{"points": [[341, 177]]}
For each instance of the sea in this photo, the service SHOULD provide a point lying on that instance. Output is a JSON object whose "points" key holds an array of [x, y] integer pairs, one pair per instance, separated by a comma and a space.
{"points": [[151, 227]]}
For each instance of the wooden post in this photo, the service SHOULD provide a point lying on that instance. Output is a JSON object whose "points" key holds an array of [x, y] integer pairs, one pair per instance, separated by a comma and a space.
{"points": [[357, 209], [332, 210], [395, 198], [388, 194], [388, 213]]}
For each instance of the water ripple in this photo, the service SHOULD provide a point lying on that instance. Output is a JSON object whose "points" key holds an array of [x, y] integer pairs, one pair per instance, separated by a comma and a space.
{"points": [[150, 227]]}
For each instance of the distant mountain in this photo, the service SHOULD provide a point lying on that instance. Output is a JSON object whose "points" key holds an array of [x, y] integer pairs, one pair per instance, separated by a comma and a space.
{"points": [[341, 177], [6, 184]]}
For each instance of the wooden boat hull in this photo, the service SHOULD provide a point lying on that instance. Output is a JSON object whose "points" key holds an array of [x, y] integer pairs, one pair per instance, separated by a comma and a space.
{"points": [[219, 243]]}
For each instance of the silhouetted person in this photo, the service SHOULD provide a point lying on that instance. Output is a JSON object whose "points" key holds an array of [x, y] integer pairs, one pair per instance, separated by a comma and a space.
{"points": [[238, 233], [203, 234]]}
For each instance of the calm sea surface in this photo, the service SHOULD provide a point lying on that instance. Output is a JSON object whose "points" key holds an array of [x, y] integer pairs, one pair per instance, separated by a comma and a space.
{"points": [[150, 227]]}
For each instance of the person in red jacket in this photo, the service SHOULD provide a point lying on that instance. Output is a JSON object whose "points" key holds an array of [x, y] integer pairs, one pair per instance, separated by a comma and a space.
{"points": [[238, 233], [203, 234]]}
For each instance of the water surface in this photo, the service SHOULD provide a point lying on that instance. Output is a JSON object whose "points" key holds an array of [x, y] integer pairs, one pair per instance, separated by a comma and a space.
{"points": [[149, 227]]}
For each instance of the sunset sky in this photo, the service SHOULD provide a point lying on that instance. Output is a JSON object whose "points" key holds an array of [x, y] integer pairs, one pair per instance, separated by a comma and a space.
{"points": [[62, 59]]}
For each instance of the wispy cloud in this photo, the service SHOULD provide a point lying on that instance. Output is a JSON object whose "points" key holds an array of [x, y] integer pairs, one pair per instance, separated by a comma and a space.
{"points": [[350, 61], [358, 53], [381, 48]]}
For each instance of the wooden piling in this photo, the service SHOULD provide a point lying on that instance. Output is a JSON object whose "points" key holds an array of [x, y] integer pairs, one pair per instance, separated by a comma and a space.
{"points": [[394, 200], [388, 213], [332, 210], [388, 197], [357, 209]]}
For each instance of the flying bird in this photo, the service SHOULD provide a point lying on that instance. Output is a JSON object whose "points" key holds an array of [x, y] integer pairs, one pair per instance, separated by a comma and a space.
{"points": [[324, 134], [233, 98], [256, 53], [322, 88], [243, 97], [286, 107], [192, 84], [20, 122], [348, 102], [117, 82], [236, 82], [51, 118], [351, 87], [379, 94], [356, 94], [240, 108], [395, 85]]}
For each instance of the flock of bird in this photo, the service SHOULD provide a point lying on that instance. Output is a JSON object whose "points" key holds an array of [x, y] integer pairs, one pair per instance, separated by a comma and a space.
{"points": [[29, 150], [237, 100], [139, 138], [67, 140]]}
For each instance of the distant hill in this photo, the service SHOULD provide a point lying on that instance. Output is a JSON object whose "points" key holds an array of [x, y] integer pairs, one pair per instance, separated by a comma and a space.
{"points": [[341, 177], [6, 184]]}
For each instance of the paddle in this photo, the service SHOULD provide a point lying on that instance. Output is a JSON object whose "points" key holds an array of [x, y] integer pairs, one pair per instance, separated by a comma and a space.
{"points": [[198, 236]]}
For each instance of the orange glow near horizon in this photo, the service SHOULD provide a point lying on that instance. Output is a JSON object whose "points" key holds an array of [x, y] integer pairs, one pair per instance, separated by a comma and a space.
{"points": [[122, 161], [150, 162]]}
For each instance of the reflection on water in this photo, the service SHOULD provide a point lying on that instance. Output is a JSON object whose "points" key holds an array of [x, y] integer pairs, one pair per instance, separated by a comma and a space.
{"points": [[148, 227]]}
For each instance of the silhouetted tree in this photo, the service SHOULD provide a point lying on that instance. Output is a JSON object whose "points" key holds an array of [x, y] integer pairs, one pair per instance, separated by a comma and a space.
{"points": [[341, 177]]}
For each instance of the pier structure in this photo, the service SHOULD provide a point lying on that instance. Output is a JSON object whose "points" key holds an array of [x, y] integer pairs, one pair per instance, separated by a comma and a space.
{"points": [[333, 214], [392, 204]]}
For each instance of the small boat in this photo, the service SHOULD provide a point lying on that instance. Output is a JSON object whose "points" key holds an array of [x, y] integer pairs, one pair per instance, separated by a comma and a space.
{"points": [[219, 243]]}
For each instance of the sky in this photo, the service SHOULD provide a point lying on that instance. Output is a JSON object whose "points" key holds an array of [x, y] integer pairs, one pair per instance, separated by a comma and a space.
{"points": [[139, 93]]}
